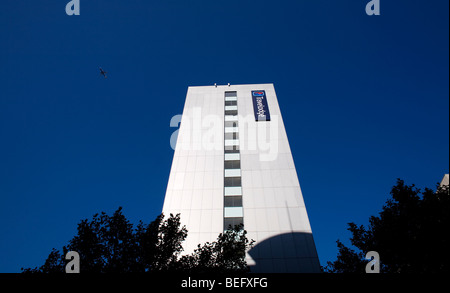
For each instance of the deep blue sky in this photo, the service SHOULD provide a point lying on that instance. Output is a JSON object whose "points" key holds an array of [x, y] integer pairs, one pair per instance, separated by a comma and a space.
{"points": [[365, 100]]}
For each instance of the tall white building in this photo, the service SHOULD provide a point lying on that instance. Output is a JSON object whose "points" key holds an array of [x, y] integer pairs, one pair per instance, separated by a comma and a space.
{"points": [[233, 164]]}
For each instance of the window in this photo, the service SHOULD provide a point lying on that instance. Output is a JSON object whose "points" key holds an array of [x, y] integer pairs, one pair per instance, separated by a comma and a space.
{"points": [[232, 181], [233, 212], [232, 157], [231, 142], [231, 118], [232, 222], [233, 173], [232, 135], [230, 98], [230, 94], [232, 164], [234, 149], [231, 123], [234, 190], [231, 112], [228, 108], [231, 129], [230, 103], [233, 201]]}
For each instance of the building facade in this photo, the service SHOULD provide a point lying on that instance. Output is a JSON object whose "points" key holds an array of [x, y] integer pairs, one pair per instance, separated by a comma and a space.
{"points": [[233, 165], [445, 180]]}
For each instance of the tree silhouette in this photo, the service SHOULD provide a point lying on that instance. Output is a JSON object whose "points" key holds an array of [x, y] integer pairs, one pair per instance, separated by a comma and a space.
{"points": [[409, 234], [109, 244], [227, 254]]}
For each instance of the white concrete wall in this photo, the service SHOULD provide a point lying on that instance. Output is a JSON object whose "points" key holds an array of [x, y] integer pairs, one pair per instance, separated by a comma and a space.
{"points": [[445, 180]]}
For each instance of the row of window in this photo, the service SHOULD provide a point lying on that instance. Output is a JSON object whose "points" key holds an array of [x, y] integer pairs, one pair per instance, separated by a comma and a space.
{"points": [[233, 211]]}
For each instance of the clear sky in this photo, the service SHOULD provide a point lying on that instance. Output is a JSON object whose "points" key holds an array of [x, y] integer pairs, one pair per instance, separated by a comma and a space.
{"points": [[365, 100]]}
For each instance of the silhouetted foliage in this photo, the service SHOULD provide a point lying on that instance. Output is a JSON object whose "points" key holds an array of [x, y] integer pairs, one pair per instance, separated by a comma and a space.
{"points": [[409, 234], [227, 254], [111, 244]]}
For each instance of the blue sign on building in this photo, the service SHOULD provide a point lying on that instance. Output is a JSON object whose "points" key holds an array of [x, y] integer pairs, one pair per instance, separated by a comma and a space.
{"points": [[260, 106]]}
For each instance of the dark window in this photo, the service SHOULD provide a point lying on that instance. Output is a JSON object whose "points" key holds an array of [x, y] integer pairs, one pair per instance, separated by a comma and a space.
{"points": [[230, 94], [232, 135], [230, 103], [232, 181], [233, 164], [231, 112], [233, 201], [232, 222], [230, 150], [231, 124]]}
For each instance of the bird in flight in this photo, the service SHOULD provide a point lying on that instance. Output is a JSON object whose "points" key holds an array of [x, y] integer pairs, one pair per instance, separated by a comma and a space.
{"points": [[102, 72]]}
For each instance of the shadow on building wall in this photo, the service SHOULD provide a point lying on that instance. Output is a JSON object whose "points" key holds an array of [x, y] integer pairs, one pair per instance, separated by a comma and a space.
{"points": [[285, 253]]}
